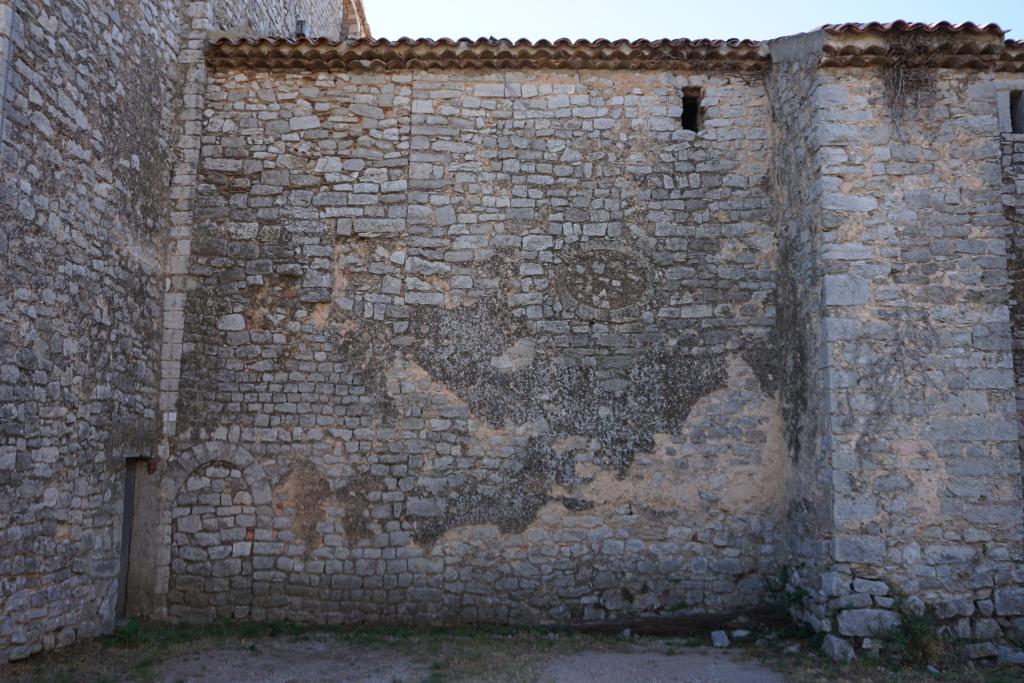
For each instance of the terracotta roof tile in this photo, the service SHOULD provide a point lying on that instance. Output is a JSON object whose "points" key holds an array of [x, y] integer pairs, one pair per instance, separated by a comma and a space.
{"points": [[495, 42], [957, 50], [912, 27], [957, 46], [1012, 59], [487, 53]]}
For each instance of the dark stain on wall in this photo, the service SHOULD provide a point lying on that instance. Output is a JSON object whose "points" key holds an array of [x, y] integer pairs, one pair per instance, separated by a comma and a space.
{"points": [[131, 436], [271, 303], [620, 402], [617, 404], [512, 507], [792, 338], [487, 354], [355, 503], [599, 282], [302, 496]]}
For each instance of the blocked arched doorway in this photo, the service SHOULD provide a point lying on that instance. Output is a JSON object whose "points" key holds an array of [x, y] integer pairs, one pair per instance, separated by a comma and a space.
{"points": [[213, 523]]}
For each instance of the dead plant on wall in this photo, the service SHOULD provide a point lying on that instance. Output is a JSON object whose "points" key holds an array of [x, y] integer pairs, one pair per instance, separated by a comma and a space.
{"points": [[908, 75]]}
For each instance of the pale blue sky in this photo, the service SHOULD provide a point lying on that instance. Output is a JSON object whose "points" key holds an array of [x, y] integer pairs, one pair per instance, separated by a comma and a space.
{"points": [[662, 18]]}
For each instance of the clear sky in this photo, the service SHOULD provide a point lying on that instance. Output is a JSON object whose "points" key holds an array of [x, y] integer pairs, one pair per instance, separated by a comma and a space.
{"points": [[632, 19]]}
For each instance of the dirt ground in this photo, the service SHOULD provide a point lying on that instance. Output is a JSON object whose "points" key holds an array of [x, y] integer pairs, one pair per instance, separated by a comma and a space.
{"points": [[321, 660], [143, 652]]}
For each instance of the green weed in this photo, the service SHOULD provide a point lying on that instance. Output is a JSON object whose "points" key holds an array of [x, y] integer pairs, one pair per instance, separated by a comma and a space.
{"points": [[920, 641]]}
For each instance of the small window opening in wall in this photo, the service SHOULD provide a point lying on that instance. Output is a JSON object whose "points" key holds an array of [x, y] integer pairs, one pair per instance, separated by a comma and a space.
{"points": [[1017, 111], [693, 114]]}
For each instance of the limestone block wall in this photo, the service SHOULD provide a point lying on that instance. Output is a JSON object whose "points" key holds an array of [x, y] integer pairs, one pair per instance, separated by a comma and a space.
{"points": [[277, 17], [82, 178], [6, 26], [797, 215], [1012, 145], [1013, 208], [211, 551], [501, 342], [918, 435], [497, 345], [925, 436]]}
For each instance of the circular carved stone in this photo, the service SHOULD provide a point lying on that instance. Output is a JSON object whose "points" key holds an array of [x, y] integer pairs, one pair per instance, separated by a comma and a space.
{"points": [[604, 282]]}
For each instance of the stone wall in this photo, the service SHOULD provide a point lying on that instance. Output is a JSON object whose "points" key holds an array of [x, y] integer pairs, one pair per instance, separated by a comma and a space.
{"points": [[919, 447], [925, 423], [277, 17], [1012, 148], [83, 183], [796, 189], [502, 342], [211, 547], [925, 437], [6, 26], [492, 345], [1013, 208]]}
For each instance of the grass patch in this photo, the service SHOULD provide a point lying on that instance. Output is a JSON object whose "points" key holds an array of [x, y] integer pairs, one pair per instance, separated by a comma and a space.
{"points": [[920, 640], [137, 633]]}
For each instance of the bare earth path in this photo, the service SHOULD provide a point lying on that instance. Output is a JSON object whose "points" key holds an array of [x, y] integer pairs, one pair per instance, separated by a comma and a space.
{"points": [[330, 661], [698, 666], [290, 662], [152, 652]]}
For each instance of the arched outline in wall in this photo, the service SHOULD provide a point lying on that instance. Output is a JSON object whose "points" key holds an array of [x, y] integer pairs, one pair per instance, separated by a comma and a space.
{"points": [[178, 472]]}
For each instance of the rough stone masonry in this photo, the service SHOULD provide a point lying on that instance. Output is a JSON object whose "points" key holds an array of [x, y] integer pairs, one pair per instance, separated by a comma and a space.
{"points": [[420, 332]]}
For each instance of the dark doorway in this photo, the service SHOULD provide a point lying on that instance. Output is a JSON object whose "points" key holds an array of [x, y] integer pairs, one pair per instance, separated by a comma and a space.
{"points": [[130, 467]]}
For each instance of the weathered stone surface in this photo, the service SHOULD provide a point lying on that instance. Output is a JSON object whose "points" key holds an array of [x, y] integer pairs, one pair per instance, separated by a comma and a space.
{"points": [[1009, 655], [895, 451], [867, 622], [859, 549], [837, 649], [872, 587], [489, 345], [543, 392], [278, 17], [981, 650], [1009, 601], [83, 177], [845, 290], [89, 150]]}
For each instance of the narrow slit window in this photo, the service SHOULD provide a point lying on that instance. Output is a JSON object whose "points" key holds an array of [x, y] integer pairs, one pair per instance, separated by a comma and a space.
{"points": [[693, 113], [1017, 111]]}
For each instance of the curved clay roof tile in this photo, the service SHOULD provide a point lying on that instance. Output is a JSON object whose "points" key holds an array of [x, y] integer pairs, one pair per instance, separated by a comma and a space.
{"points": [[901, 26], [601, 53]]}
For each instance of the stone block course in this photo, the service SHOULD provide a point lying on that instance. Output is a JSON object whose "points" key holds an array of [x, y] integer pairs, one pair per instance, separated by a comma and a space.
{"points": [[496, 290]]}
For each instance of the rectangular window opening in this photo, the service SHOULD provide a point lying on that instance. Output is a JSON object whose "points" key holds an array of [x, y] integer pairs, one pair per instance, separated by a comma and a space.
{"points": [[1017, 111], [693, 113]]}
